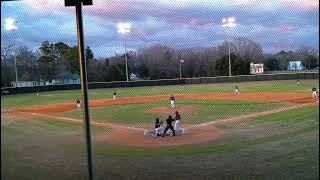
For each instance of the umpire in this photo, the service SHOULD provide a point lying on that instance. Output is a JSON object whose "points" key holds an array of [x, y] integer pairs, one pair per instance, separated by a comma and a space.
{"points": [[169, 126]]}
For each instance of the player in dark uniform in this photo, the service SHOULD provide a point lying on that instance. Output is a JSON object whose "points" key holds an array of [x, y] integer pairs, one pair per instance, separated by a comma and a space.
{"points": [[169, 126]]}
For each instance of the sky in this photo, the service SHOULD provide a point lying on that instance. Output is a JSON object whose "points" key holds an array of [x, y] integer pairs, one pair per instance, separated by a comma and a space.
{"points": [[275, 24]]}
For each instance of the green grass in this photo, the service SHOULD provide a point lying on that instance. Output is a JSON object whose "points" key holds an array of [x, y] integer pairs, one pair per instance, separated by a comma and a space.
{"points": [[35, 126], [202, 111], [22, 100], [274, 132]]}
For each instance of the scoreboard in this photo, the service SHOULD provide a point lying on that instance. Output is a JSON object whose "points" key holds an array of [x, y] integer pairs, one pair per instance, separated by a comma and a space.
{"points": [[256, 68]]}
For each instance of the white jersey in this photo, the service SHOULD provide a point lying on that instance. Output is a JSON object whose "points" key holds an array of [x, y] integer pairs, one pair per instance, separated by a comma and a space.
{"points": [[177, 125], [172, 103], [78, 105], [159, 130]]}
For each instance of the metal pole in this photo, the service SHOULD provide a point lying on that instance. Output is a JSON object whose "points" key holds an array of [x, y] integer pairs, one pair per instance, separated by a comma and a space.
{"points": [[84, 87], [229, 60], [125, 56], [15, 57], [180, 69]]}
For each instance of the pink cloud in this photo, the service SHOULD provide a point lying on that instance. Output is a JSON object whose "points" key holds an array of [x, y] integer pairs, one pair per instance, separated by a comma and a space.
{"points": [[99, 7], [284, 29], [302, 4], [207, 25], [193, 22]]}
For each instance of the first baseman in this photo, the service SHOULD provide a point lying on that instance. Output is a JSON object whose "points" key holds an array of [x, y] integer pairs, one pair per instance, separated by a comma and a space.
{"points": [[177, 123]]}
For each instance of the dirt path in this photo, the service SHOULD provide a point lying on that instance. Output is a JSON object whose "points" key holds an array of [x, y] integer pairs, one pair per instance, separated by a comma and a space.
{"points": [[133, 135], [292, 98]]}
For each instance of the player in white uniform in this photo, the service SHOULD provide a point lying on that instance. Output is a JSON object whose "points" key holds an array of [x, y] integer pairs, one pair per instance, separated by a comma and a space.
{"points": [[315, 94], [159, 130], [78, 104], [114, 96], [237, 90], [177, 123], [172, 101]]}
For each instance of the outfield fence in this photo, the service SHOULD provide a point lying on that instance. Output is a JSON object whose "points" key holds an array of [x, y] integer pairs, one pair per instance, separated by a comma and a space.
{"points": [[164, 82]]}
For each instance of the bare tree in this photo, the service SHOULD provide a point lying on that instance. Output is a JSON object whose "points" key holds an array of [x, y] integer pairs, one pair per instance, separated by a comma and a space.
{"points": [[303, 53]]}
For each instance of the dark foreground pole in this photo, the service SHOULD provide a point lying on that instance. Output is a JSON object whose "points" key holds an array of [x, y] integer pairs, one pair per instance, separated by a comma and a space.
{"points": [[84, 87]]}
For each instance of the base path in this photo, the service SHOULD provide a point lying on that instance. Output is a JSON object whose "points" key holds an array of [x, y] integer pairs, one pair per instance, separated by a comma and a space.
{"points": [[292, 98], [133, 135]]}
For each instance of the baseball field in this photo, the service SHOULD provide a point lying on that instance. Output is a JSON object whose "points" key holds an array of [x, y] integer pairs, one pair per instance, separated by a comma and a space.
{"points": [[269, 130]]}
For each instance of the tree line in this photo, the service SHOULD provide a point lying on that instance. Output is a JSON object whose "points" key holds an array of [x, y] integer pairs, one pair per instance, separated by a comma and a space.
{"points": [[53, 60]]}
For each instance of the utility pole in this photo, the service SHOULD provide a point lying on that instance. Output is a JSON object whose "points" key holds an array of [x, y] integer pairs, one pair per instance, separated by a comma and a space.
{"points": [[84, 81]]}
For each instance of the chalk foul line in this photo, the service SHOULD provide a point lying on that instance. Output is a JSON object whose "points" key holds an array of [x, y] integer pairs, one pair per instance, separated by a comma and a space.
{"points": [[251, 115], [104, 124]]}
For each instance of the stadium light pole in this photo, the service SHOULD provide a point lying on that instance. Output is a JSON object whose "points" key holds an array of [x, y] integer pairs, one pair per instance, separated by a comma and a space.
{"points": [[229, 23], [124, 28], [181, 61], [11, 25]]}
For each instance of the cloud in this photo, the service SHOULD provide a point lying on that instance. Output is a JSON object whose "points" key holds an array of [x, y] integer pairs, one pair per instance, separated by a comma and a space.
{"points": [[284, 29], [179, 23]]}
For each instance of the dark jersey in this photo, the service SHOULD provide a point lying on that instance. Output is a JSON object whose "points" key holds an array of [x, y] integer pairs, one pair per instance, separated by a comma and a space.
{"points": [[114, 94], [169, 121], [177, 117], [237, 87], [172, 98], [78, 101], [314, 89], [157, 125]]}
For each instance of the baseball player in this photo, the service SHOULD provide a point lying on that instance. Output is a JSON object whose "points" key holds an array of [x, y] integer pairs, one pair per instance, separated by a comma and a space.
{"points": [[315, 94], [237, 90], [78, 104], [298, 81], [169, 126], [114, 95], [159, 130], [172, 101], [177, 123]]}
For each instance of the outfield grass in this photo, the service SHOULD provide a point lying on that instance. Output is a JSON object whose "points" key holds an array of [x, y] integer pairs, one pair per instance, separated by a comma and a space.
{"points": [[200, 111], [22, 100]]}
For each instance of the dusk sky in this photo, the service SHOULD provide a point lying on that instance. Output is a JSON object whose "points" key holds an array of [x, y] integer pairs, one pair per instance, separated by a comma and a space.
{"points": [[275, 24]]}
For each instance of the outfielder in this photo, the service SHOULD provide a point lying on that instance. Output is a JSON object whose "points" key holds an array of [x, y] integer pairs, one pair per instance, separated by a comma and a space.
{"points": [[315, 94], [78, 104], [172, 101], [114, 95], [237, 90]]}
